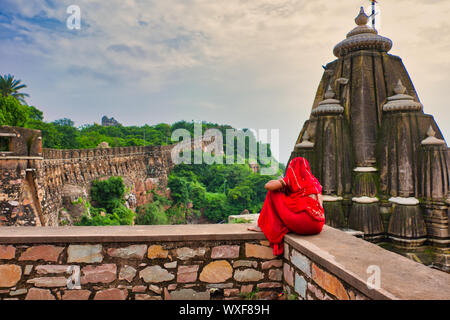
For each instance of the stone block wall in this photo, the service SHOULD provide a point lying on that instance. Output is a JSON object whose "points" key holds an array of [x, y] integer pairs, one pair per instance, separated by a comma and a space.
{"points": [[17, 205], [142, 168], [203, 262], [34, 189], [141, 271], [310, 281]]}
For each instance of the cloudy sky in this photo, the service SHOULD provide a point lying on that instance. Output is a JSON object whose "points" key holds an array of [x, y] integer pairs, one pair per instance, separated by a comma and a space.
{"points": [[248, 63]]}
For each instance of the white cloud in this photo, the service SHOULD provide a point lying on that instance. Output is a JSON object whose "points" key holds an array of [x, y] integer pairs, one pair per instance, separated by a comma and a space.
{"points": [[249, 63]]}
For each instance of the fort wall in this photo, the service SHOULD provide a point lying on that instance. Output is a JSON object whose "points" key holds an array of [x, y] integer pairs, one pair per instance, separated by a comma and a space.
{"points": [[37, 183]]}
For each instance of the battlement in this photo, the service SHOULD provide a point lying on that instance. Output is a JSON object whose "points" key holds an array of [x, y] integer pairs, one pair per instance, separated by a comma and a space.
{"points": [[37, 182], [75, 154]]}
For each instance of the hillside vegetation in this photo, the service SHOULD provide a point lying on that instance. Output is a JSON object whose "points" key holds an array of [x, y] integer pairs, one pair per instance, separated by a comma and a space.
{"points": [[197, 190]]}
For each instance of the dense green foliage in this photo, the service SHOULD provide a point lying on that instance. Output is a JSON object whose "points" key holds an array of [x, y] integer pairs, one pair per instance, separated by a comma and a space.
{"points": [[13, 113], [108, 207], [218, 190], [109, 193], [162, 211]]}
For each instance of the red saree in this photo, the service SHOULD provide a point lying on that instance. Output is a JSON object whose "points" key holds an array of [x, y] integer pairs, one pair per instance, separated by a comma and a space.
{"points": [[291, 209]]}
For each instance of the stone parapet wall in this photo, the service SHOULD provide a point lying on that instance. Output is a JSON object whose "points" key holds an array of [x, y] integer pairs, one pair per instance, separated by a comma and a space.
{"points": [[154, 270], [311, 281], [36, 184], [64, 170], [71, 154], [203, 262], [35, 189]]}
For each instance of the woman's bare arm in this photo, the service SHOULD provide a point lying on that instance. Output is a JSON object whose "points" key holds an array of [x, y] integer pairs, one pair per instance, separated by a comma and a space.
{"points": [[273, 185]]}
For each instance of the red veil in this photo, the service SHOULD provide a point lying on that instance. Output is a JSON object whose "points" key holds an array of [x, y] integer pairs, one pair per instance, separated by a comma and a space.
{"points": [[291, 209]]}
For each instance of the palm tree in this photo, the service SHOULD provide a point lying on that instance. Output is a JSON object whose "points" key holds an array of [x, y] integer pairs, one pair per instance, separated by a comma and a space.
{"points": [[11, 87]]}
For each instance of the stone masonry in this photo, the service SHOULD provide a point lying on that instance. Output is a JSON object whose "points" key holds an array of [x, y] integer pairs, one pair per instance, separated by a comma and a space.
{"points": [[36, 184], [145, 271], [202, 262]]}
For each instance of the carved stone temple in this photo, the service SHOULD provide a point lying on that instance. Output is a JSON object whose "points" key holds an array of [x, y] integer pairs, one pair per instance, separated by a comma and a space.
{"points": [[383, 162]]}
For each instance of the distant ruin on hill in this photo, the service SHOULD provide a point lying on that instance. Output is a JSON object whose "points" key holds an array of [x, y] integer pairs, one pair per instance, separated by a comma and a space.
{"points": [[109, 122]]}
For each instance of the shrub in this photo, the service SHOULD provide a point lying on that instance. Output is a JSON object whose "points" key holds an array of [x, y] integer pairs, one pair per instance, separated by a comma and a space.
{"points": [[216, 208], [124, 215], [108, 194], [151, 214], [179, 187], [241, 198]]}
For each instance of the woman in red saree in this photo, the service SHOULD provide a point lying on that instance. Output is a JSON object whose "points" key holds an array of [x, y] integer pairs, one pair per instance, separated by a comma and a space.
{"points": [[293, 204]]}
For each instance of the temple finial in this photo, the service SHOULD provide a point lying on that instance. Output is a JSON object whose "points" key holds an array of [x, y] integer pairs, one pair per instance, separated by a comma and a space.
{"points": [[362, 18], [330, 93], [306, 135], [305, 144], [431, 132], [400, 88], [431, 138]]}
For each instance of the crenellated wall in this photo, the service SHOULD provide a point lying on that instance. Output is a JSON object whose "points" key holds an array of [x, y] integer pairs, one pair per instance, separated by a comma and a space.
{"points": [[203, 262], [63, 173], [37, 183]]}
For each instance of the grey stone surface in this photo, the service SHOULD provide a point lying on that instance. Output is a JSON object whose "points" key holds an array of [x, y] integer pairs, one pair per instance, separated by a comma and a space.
{"points": [[155, 274], [85, 253], [133, 251], [349, 258], [301, 262], [186, 253], [248, 275], [300, 285], [128, 233], [189, 294], [245, 263], [127, 273]]}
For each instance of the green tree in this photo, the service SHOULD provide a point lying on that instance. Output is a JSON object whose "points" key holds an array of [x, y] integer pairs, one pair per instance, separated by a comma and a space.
{"points": [[12, 112], [10, 87], [36, 114], [51, 137], [69, 135], [108, 194], [179, 187], [151, 214], [216, 208], [241, 198], [197, 194]]}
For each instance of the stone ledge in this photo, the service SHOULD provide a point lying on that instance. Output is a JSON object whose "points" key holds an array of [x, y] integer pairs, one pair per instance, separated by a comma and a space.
{"points": [[23, 235], [348, 258], [343, 255]]}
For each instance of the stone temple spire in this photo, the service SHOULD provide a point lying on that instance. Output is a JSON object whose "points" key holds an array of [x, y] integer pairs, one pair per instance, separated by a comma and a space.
{"points": [[383, 170], [362, 37]]}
